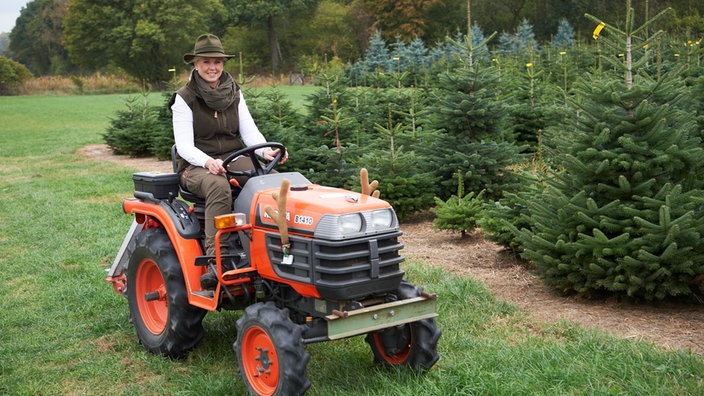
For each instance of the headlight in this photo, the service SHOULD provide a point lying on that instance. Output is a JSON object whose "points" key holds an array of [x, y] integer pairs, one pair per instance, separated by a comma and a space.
{"points": [[337, 227], [382, 218], [350, 223]]}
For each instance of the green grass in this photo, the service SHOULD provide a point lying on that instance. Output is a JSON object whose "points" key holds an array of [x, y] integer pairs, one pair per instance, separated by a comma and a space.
{"points": [[297, 94], [64, 331]]}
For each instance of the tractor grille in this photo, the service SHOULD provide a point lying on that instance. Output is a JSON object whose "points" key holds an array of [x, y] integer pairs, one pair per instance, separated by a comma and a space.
{"points": [[342, 270]]}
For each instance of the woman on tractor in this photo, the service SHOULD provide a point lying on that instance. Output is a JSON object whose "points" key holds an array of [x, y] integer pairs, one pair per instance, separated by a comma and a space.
{"points": [[210, 122]]}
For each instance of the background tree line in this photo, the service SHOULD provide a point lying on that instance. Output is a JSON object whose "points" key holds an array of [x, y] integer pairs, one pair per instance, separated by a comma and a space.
{"points": [[145, 38]]}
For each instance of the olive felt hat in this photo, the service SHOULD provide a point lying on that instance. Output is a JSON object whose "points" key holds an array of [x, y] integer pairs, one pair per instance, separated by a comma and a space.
{"points": [[209, 46]]}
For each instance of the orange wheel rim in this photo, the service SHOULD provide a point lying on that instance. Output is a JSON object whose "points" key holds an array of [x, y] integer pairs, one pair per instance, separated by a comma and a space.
{"points": [[154, 313], [259, 361], [397, 358]]}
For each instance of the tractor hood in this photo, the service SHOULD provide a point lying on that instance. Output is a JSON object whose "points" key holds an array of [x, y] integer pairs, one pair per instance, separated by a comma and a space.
{"points": [[323, 212]]}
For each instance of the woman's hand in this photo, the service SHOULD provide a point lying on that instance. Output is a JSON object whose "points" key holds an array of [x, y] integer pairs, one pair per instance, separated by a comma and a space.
{"points": [[214, 166], [269, 155]]}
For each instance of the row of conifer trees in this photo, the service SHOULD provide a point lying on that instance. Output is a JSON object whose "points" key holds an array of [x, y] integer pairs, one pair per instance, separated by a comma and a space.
{"points": [[586, 161]]}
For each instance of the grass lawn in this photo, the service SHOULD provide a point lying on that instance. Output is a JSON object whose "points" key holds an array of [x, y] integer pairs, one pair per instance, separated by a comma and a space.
{"points": [[64, 331]]}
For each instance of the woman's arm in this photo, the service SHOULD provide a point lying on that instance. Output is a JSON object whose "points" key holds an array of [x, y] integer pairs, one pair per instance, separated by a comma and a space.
{"points": [[183, 133]]}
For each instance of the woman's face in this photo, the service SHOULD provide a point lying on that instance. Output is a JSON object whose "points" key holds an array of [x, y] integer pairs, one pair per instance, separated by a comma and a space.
{"points": [[209, 69]]}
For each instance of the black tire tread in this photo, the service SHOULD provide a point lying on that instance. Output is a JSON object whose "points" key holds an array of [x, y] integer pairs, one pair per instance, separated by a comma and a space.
{"points": [[424, 345], [288, 340], [185, 322]]}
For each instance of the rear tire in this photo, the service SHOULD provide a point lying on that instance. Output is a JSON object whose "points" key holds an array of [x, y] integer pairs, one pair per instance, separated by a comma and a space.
{"points": [[166, 324], [270, 351], [413, 344]]}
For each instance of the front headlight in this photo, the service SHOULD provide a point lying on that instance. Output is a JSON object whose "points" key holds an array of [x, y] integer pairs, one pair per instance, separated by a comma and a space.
{"points": [[382, 218], [350, 224]]}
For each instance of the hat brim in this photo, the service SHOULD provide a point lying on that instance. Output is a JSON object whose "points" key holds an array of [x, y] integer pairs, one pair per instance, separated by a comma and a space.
{"points": [[188, 58]]}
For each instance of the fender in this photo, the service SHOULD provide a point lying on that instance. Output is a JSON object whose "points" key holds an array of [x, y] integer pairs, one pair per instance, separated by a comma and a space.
{"points": [[187, 249]]}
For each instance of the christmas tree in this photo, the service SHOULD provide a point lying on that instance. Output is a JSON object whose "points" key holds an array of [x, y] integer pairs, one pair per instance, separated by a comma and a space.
{"points": [[460, 212], [625, 214], [564, 38], [472, 117]]}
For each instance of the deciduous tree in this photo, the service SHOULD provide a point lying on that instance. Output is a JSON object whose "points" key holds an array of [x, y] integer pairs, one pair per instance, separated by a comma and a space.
{"points": [[145, 38], [35, 41], [405, 18], [273, 15], [330, 30]]}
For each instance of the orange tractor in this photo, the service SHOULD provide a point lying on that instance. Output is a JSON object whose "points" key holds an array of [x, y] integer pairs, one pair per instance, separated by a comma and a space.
{"points": [[306, 264]]}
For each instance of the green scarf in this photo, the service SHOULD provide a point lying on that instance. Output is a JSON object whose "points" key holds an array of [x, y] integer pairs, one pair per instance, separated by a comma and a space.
{"points": [[219, 98]]}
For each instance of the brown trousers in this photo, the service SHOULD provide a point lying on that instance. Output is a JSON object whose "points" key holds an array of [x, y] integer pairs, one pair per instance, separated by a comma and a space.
{"points": [[218, 196]]}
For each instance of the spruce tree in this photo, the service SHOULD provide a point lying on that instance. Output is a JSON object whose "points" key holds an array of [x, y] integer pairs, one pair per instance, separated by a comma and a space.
{"points": [[522, 42], [414, 60], [377, 61], [625, 215], [479, 41], [525, 38], [564, 38]]}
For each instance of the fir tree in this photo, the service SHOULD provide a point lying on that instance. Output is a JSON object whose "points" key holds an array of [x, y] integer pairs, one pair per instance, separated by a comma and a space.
{"points": [[324, 147], [624, 216], [400, 181], [472, 117], [528, 112], [132, 131], [460, 212]]}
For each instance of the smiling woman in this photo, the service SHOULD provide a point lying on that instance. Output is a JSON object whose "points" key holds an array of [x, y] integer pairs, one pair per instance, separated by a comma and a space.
{"points": [[211, 121]]}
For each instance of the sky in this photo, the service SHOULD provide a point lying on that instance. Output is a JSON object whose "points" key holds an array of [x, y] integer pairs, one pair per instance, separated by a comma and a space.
{"points": [[9, 11]]}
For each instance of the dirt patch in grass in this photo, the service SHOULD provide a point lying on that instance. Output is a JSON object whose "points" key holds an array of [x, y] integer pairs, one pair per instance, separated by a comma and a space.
{"points": [[672, 326], [103, 153]]}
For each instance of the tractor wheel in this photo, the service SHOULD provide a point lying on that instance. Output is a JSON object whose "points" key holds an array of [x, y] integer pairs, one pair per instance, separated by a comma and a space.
{"points": [[413, 344], [165, 322], [271, 352]]}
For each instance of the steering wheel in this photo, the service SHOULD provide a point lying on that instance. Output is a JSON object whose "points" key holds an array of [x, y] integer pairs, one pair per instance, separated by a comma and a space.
{"points": [[259, 169]]}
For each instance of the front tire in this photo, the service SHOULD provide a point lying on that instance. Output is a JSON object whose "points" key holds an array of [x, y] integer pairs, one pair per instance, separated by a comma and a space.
{"points": [[412, 344], [270, 351], [166, 324]]}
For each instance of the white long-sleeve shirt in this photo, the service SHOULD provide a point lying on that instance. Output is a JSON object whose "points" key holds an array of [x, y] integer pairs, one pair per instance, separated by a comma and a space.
{"points": [[183, 131]]}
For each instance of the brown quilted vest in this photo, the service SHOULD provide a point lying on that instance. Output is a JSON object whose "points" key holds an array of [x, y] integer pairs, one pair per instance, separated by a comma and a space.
{"points": [[214, 133]]}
